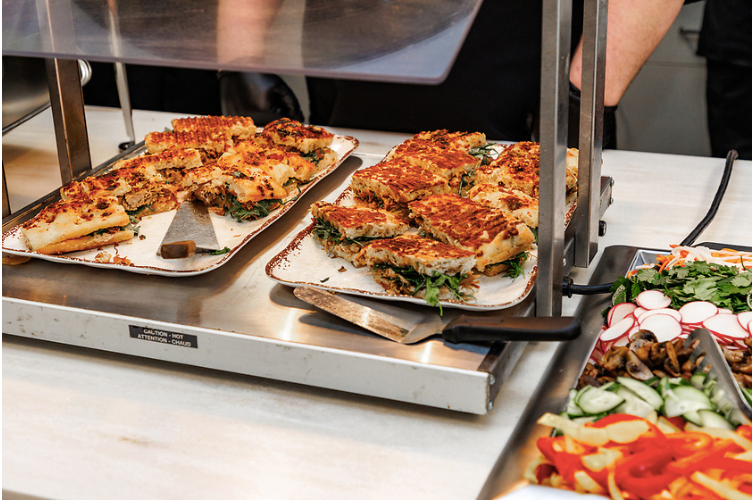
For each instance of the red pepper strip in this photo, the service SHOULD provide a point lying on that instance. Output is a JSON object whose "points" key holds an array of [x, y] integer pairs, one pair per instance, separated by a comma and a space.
{"points": [[692, 463], [566, 463], [643, 474], [612, 419], [726, 464], [688, 443], [678, 422], [745, 431], [543, 472]]}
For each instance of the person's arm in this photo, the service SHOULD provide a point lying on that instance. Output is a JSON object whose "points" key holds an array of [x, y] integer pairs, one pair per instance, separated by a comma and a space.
{"points": [[635, 27]]}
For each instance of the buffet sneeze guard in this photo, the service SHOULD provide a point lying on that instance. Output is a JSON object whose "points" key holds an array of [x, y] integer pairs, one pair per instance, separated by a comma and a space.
{"points": [[465, 381]]}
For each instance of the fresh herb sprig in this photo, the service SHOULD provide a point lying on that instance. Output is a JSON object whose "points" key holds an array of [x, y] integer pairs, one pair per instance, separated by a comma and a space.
{"points": [[725, 286], [516, 264], [262, 208], [431, 284], [484, 153], [324, 231]]}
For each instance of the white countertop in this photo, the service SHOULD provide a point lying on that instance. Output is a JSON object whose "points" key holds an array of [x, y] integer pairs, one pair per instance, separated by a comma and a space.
{"points": [[81, 424]]}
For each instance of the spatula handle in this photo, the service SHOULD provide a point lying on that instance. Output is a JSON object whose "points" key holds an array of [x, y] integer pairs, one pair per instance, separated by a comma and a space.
{"points": [[476, 329], [178, 249]]}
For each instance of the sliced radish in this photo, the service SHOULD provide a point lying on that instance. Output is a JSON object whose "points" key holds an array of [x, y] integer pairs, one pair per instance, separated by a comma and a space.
{"points": [[745, 320], [619, 329], [725, 311], [726, 325], [653, 299], [619, 312], [671, 312], [697, 311], [663, 326], [639, 312], [621, 341]]}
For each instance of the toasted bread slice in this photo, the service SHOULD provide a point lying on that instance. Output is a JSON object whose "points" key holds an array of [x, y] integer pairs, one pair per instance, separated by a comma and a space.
{"points": [[284, 164], [344, 231], [306, 139], [397, 180], [244, 191], [113, 183], [237, 127], [210, 145], [170, 163], [510, 201], [166, 159], [463, 141], [516, 167], [76, 221], [488, 233], [410, 264], [451, 164]]}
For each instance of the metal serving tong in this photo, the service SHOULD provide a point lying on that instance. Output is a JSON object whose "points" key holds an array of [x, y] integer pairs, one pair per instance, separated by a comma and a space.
{"points": [[408, 327]]}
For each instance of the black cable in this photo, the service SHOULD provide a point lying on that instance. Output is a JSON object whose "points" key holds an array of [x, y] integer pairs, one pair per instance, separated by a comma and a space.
{"points": [[730, 159], [569, 288]]}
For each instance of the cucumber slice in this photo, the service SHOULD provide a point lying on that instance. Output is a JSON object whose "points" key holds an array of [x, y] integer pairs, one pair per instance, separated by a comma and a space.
{"points": [[693, 416], [682, 399], [663, 386], [647, 393], [585, 420], [596, 400], [747, 394], [633, 404], [572, 409], [698, 380], [608, 386], [713, 419]]}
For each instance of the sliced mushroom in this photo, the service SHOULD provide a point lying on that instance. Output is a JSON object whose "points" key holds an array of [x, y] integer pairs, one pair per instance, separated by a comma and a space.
{"points": [[671, 364], [645, 335], [614, 359], [657, 354], [745, 368], [636, 368], [733, 356]]}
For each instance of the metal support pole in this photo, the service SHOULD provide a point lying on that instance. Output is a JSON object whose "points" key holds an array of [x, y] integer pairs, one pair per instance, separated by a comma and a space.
{"points": [[591, 131], [67, 101], [554, 107], [6, 198]]}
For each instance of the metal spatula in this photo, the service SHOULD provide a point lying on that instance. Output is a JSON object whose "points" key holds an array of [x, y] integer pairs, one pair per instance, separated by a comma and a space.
{"points": [[190, 231], [408, 327]]}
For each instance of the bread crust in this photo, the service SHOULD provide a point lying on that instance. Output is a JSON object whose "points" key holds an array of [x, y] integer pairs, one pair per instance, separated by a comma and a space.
{"points": [[488, 233], [69, 219]]}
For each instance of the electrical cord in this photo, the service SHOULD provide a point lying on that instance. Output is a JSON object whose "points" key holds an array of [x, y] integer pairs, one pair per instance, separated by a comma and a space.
{"points": [[730, 159], [569, 288]]}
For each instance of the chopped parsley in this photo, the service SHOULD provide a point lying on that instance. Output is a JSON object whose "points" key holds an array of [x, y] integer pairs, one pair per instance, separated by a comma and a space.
{"points": [[324, 280], [725, 286], [220, 252]]}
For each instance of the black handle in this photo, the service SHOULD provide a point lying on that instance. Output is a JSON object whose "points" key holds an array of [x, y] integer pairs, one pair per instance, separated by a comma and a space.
{"points": [[476, 329]]}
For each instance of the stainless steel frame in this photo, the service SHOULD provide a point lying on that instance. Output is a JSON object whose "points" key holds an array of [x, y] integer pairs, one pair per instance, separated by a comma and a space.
{"points": [[561, 375]]}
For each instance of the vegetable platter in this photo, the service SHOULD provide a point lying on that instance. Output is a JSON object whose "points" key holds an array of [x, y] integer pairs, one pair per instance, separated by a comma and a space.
{"points": [[643, 420]]}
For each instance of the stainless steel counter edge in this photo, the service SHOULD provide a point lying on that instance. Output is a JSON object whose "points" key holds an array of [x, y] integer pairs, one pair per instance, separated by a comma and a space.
{"points": [[374, 375]]}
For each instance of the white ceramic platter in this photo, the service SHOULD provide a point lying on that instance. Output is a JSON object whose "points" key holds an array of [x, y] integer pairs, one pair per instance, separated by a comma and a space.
{"points": [[139, 255], [303, 262]]}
